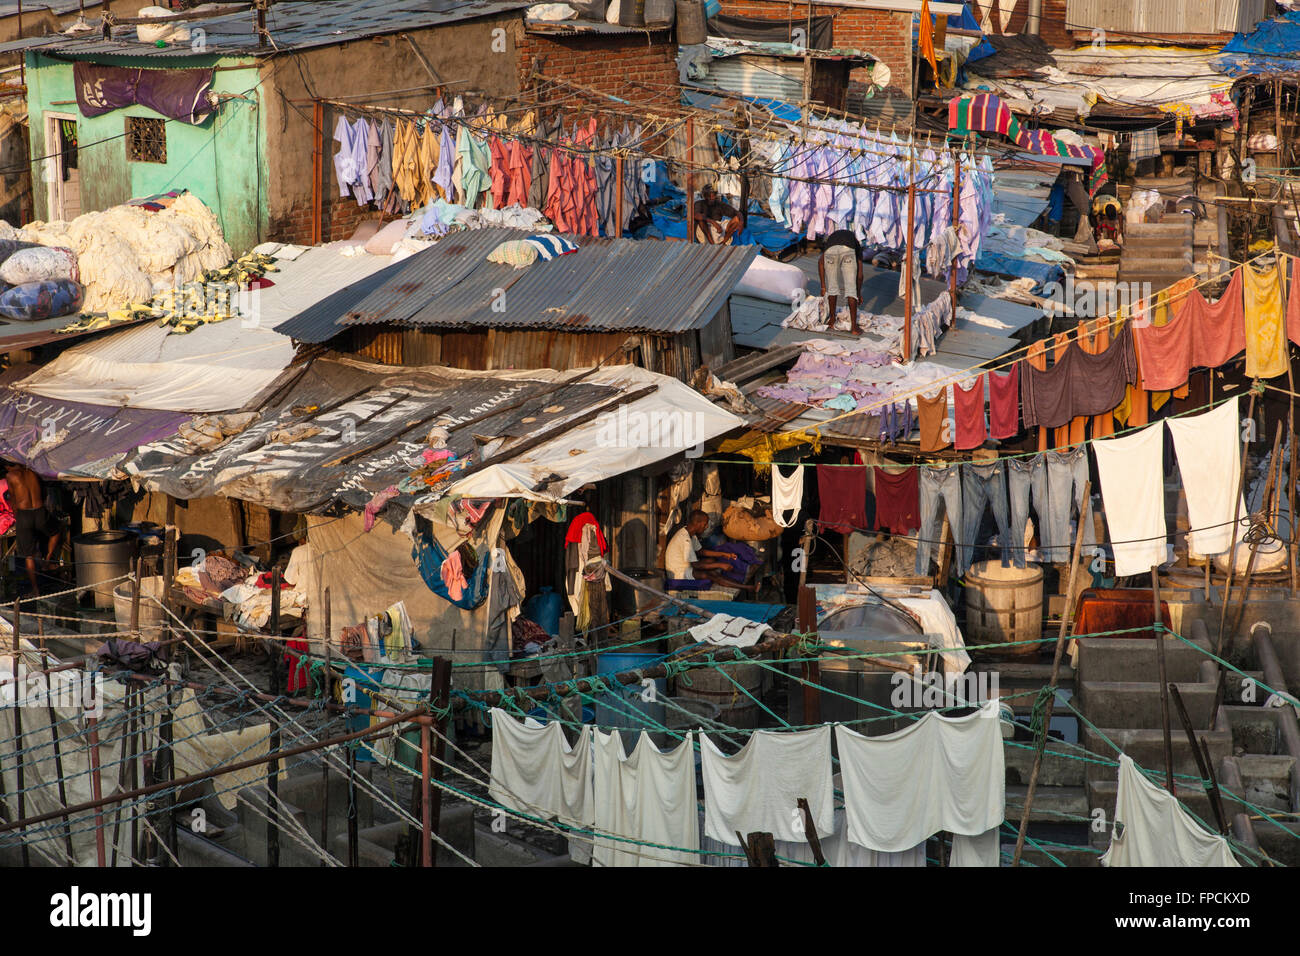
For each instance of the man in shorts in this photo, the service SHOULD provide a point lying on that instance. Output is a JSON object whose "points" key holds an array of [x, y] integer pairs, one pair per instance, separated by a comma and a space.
{"points": [[840, 269], [31, 523]]}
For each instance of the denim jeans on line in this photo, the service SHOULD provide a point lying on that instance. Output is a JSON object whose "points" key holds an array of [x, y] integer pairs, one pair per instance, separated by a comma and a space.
{"points": [[936, 484], [1067, 474], [1025, 475], [983, 485]]}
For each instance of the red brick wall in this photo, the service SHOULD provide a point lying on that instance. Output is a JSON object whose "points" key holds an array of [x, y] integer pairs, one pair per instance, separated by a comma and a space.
{"points": [[1051, 28], [340, 218], [611, 63], [884, 34]]}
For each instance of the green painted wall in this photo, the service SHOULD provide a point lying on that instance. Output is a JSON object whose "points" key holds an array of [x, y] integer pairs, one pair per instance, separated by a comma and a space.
{"points": [[222, 161]]}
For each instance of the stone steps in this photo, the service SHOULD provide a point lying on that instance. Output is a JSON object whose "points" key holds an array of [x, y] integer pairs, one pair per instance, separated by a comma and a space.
{"points": [[1147, 748], [1137, 704], [1135, 659]]}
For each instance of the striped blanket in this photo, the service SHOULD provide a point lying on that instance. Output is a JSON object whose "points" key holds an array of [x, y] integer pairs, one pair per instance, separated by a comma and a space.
{"points": [[986, 113]]}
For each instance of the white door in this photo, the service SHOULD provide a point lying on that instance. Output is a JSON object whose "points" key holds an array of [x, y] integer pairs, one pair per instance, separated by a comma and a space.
{"points": [[63, 185]]}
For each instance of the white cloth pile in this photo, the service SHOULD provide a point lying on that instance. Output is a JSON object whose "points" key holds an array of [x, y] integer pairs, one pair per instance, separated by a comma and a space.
{"points": [[729, 630], [127, 254]]}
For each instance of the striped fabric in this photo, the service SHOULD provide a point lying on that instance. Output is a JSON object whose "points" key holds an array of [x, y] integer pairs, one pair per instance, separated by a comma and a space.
{"points": [[548, 247], [986, 113]]}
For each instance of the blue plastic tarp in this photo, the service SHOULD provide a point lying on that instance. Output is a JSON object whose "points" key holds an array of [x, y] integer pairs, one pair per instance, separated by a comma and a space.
{"points": [[758, 613], [1041, 272], [669, 217], [1272, 47], [964, 20]]}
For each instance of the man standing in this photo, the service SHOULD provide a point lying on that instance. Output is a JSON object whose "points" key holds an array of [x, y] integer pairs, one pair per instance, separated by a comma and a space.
{"points": [[30, 519], [682, 559], [840, 270]]}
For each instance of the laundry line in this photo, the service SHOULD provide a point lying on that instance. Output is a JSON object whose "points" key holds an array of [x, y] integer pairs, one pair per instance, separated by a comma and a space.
{"points": [[1071, 337]]}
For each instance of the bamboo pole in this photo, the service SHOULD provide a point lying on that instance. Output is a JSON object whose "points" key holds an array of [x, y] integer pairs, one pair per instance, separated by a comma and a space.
{"points": [[1236, 519], [1159, 627]]}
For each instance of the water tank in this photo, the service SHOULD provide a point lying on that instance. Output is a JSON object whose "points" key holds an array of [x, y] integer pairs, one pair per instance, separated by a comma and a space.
{"points": [[871, 628], [658, 14], [691, 27], [101, 557]]}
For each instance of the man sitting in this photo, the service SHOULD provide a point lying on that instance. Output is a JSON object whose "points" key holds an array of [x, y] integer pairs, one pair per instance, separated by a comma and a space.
{"points": [[715, 221], [687, 563]]}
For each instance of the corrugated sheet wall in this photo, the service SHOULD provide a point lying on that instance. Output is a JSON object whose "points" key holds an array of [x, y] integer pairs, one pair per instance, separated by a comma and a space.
{"points": [[1166, 16]]}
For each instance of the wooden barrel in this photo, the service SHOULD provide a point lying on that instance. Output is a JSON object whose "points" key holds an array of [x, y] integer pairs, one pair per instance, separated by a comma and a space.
{"points": [[734, 707], [1004, 605]]}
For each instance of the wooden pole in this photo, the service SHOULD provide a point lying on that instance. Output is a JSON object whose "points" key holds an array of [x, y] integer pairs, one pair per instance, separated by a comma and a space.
{"points": [[1159, 626], [690, 180], [426, 824], [618, 196], [1291, 551], [1215, 805], [18, 730], [810, 832], [273, 768], [760, 849], [907, 266], [811, 670], [441, 693], [1051, 700], [317, 171], [58, 754], [354, 858], [135, 598], [1236, 518], [956, 224]]}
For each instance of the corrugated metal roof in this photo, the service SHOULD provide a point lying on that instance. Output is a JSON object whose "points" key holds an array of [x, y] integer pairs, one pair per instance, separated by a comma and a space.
{"points": [[607, 285], [293, 26]]}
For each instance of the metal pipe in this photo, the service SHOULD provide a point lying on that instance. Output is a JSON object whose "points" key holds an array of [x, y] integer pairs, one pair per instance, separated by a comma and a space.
{"points": [[96, 787], [1033, 20]]}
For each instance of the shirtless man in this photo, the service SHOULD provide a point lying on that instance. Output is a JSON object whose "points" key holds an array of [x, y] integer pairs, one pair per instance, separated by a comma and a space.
{"points": [[27, 498]]}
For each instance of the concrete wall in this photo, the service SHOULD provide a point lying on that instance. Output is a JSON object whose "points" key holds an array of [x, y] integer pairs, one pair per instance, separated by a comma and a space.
{"points": [[384, 71], [221, 160], [886, 35]]}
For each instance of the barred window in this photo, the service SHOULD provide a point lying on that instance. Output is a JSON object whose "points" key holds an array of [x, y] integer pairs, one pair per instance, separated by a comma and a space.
{"points": [[146, 140]]}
